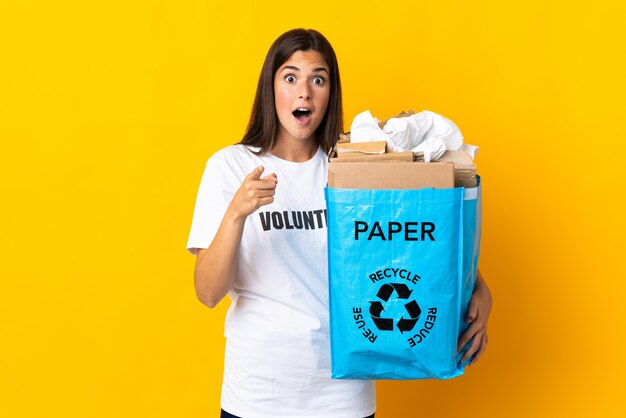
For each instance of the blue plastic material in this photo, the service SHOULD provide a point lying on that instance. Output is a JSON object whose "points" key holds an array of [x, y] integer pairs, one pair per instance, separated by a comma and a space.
{"points": [[402, 268]]}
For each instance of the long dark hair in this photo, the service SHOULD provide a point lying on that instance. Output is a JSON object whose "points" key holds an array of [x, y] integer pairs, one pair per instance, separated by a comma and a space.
{"points": [[263, 125]]}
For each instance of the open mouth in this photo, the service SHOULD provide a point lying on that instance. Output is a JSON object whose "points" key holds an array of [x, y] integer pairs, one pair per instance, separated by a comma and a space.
{"points": [[302, 115]]}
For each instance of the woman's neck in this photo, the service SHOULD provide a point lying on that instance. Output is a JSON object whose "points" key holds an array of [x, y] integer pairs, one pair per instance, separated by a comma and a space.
{"points": [[296, 150]]}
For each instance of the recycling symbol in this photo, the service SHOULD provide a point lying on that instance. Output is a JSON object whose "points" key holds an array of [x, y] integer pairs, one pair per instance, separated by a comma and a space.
{"points": [[412, 308]]}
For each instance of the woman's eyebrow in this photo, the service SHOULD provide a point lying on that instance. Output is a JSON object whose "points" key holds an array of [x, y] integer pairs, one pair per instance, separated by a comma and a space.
{"points": [[294, 68]]}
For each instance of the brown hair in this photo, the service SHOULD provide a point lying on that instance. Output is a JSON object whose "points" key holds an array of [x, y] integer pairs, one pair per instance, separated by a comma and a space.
{"points": [[263, 125]]}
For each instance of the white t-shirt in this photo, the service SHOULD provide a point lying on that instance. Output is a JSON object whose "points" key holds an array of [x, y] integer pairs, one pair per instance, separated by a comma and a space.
{"points": [[277, 361]]}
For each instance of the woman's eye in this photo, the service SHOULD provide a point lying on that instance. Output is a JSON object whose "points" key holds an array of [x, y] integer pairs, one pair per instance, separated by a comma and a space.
{"points": [[290, 79], [319, 80]]}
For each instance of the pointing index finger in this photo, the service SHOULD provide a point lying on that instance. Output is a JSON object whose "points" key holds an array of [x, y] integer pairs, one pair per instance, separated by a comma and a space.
{"points": [[256, 173]]}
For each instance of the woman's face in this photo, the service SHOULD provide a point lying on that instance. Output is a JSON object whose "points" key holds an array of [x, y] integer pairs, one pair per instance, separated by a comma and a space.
{"points": [[301, 90]]}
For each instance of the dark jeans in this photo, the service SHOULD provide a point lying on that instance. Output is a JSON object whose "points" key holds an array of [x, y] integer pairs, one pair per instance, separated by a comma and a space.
{"points": [[227, 415]]}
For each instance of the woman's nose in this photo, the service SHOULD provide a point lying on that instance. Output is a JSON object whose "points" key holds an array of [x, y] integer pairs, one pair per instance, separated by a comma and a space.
{"points": [[305, 91]]}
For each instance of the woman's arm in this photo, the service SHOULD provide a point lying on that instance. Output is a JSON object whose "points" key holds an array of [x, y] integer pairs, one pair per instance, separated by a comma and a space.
{"points": [[477, 316], [215, 266]]}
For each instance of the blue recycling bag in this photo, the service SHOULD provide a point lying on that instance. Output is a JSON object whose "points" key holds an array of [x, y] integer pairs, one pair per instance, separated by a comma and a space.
{"points": [[402, 268]]}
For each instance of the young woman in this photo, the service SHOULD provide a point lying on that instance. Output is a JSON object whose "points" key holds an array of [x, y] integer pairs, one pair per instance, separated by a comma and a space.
{"points": [[259, 234]]}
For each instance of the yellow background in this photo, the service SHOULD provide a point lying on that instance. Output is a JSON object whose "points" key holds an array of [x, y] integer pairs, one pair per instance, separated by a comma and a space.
{"points": [[109, 110]]}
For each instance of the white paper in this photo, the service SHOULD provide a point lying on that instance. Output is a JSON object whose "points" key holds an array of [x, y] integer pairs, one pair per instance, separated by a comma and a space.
{"points": [[425, 131], [365, 129]]}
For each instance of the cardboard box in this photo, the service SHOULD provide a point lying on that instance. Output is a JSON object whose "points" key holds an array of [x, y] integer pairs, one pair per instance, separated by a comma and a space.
{"points": [[343, 138], [459, 158], [352, 148], [390, 175], [464, 168], [351, 157]]}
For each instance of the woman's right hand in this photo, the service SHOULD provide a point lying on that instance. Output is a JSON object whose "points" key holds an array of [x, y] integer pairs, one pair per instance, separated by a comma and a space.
{"points": [[254, 192], [215, 266]]}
